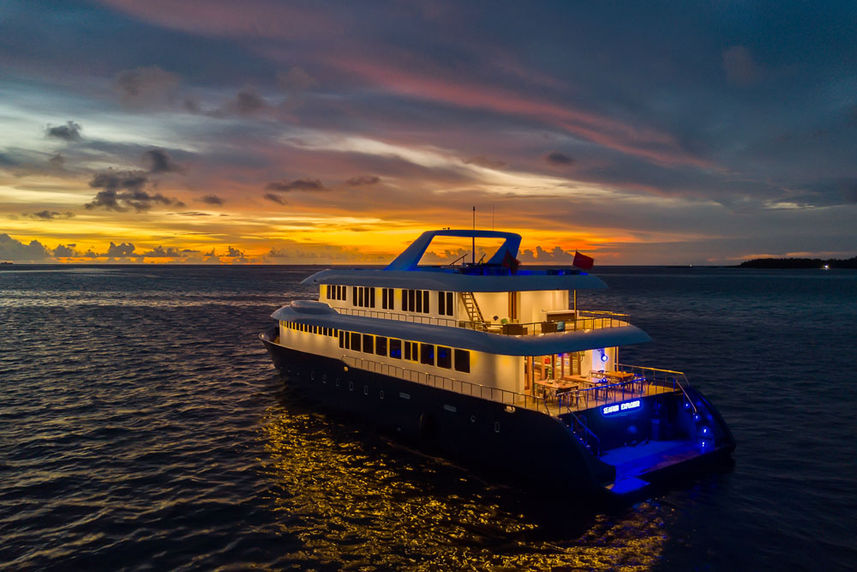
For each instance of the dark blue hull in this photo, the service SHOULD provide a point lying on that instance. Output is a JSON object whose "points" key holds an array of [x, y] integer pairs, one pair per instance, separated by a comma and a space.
{"points": [[506, 443], [513, 444]]}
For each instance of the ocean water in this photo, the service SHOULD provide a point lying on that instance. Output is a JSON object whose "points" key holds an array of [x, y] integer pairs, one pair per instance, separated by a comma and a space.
{"points": [[143, 426]]}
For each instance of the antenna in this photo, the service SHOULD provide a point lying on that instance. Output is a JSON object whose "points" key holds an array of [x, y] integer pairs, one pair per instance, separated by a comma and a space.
{"points": [[473, 239]]}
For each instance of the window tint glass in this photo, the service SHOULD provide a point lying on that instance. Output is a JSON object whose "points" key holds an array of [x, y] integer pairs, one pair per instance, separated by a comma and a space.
{"points": [[444, 357], [396, 348], [427, 354], [355, 341], [381, 345], [462, 361], [368, 344]]}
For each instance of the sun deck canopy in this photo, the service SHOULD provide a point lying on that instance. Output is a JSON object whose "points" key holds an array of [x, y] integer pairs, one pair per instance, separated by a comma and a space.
{"points": [[320, 314], [438, 279], [410, 258]]}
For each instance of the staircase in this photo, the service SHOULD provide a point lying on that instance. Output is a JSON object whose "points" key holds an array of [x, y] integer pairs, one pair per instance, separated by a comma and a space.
{"points": [[473, 311]]}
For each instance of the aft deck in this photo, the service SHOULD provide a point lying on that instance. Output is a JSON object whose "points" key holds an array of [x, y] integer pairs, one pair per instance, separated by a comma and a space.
{"points": [[599, 390]]}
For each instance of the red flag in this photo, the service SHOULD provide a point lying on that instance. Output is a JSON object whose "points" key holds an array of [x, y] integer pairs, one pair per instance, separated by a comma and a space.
{"points": [[511, 262], [582, 261]]}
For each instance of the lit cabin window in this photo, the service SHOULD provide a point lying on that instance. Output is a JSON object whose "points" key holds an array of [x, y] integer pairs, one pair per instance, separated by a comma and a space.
{"points": [[427, 354], [462, 361], [395, 348], [381, 345], [444, 357]]}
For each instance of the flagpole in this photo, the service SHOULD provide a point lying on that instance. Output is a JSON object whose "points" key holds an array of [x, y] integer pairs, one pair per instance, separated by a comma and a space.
{"points": [[473, 242]]}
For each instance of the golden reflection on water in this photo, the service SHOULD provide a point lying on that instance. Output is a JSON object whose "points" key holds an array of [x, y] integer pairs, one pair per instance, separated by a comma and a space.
{"points": [[357, 504]]}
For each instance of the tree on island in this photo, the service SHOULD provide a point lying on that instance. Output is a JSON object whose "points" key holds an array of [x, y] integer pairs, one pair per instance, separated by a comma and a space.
{"points": [[799, 263]]}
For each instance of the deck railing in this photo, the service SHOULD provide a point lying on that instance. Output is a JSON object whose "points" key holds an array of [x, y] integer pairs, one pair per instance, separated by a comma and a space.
{"points": [[585, 320], [646, 381], [665, 378], [503, 396]]}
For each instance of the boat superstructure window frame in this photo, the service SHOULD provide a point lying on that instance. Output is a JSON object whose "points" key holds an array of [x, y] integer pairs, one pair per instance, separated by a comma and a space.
{"points": [[388, 298], [445, 303], [416, 301]]}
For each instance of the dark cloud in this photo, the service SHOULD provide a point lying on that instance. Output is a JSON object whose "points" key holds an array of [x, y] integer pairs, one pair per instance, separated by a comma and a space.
{"points": [[211, 200], [146, 87], [559, 159], [124, 190], [157, 161], [541, 256], [296, 185], [7, 161], [68, 132], [49, 215], [57, 161], [233, 253], [246, 102], [275, 198], [487, 162], [121, 250], [65, 251], [11, 249], [363, 180], [193, 213], [169, 252]]}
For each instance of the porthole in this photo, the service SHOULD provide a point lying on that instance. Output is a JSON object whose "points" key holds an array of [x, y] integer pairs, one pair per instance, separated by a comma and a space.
{"points": [[496, 427], [381, 394], [350, 386], [473, 419], [365, 390]]}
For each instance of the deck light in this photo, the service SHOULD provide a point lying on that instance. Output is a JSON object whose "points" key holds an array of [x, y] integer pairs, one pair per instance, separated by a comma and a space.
{"points": [[705, 430]]}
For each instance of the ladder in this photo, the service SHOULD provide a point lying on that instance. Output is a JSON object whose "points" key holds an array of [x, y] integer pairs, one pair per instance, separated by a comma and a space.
{"points": [[473, 311]]}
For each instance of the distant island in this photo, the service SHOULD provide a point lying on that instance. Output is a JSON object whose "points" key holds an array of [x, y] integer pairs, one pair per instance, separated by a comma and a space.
{"points": [[799, 263]]}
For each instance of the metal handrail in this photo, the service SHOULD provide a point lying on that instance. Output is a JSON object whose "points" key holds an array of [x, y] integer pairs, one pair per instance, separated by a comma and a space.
{"points": [[387, 315], [676, 377], [506, 397], [587, 430]]}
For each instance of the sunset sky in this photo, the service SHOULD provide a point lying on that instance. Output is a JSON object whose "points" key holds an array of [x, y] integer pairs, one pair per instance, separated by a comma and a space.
{"points": [[331, 132]]}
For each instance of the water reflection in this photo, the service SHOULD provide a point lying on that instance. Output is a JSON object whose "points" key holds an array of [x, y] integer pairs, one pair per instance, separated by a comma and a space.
{"points": [[356, 501]]}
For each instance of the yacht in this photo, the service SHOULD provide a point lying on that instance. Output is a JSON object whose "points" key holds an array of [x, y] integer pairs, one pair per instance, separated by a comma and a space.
{"points": [[494, 366]]}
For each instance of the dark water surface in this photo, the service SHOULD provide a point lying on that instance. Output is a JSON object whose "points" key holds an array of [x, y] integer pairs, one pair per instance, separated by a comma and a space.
{"points": [[142, 426]]}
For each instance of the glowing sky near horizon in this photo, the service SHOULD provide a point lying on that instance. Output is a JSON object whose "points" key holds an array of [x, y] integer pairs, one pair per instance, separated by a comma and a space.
{"points": [[332, 132]]}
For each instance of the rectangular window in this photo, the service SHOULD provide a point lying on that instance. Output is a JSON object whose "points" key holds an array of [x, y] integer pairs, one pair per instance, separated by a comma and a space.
{"points": [[368, 344], [426, 301], [405, 300], [395, 348], [355, 341], [347, 340], [392, 299], [462, 361], [449, 305], [372, 297], [427, 354], [412, 295], [444, 357], [381, 345], [419, 297], [441, 303], [342, 339], [354, 295], [360, 296], [407, 350]]}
